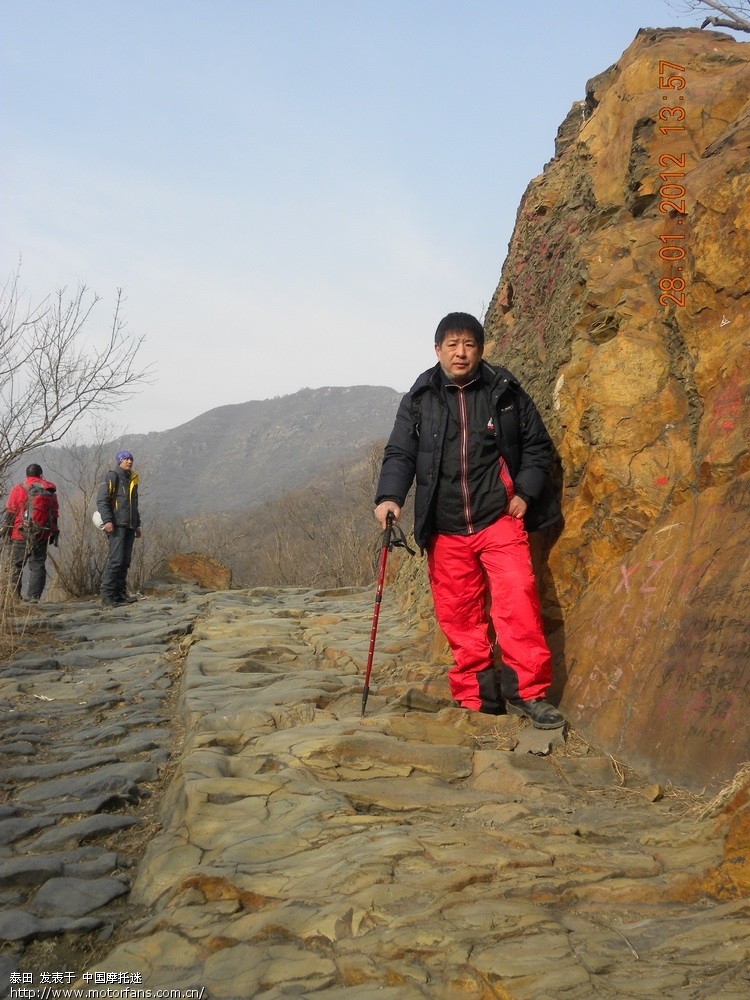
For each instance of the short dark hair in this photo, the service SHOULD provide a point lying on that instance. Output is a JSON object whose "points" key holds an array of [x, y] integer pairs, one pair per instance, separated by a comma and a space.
{"points": [[459, 322], [34, 470]]}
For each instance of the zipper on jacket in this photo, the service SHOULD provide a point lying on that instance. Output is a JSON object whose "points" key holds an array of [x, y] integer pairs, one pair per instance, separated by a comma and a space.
{"points": [[463, 438]]}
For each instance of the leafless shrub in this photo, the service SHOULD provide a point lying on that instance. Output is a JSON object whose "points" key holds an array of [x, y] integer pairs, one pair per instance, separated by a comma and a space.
{"points": [[320, 535]]}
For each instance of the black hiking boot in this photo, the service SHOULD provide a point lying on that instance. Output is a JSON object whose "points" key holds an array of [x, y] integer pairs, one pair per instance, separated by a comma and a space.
{"points": [[542, 714]]}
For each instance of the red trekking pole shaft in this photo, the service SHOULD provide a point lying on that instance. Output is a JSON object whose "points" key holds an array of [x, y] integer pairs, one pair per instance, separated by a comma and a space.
{"points": [[386, 544]]}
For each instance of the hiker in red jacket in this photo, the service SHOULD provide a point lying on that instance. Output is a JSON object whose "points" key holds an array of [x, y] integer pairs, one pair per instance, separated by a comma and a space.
{"points": [[31, 515]]}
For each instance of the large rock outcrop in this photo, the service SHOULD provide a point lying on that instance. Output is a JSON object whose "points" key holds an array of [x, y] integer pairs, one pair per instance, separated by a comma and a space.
{"points": [[196, 568], [623, 306]]}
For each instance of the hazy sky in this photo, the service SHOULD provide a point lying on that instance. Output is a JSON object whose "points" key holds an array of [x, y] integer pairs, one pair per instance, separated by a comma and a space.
{"points": [[291, 193]]}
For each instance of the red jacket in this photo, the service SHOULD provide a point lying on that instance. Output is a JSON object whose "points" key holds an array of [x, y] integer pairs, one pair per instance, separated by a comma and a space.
{"points": [[16, 504]]}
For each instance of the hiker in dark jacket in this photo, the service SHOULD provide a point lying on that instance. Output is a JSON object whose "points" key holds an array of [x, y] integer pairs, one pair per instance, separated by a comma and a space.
{"points": [[481, 456], [29, 541], [117, 503]]}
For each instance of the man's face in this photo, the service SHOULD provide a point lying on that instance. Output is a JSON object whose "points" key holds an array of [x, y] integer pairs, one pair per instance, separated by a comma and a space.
{"points": [[127, 464], [459, 355]]}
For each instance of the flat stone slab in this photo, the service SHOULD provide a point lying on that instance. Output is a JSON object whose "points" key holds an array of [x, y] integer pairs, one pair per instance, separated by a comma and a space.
{"points": [[68, 896], [19, 827], [19, 925], [29, 871], [108, 779]]}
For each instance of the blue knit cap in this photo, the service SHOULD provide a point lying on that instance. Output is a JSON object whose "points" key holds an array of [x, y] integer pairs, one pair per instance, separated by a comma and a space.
{"points": [[122, 455]]}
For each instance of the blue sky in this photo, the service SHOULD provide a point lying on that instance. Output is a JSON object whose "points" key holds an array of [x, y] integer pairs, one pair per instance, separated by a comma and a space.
{"points": [[290, 193]]}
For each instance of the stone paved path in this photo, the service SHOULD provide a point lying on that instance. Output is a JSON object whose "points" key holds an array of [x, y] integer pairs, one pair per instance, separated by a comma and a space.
{"points": [[302, 850], [89, 726]]}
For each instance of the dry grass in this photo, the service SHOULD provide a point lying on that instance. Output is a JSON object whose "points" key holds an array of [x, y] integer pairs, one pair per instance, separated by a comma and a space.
{"points": [[577, 746], [15, 616], [629, 781], [715, 805]]}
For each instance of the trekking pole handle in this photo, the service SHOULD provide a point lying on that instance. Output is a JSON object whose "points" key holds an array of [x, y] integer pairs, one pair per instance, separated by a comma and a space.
{"points": [[388, 528]]}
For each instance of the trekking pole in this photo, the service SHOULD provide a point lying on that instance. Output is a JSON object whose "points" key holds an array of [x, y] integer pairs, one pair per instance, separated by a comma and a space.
{"points": [[386, 544]]}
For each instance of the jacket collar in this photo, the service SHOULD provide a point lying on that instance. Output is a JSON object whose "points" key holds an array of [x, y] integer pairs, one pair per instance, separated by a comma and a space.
{"points": [[494, 376]]}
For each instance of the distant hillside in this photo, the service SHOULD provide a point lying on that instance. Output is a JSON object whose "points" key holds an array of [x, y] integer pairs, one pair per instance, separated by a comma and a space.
{"points": [[235, 456]]}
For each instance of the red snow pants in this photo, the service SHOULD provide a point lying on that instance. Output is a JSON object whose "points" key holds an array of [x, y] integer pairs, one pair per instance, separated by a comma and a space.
{"points": [[463, 571]]}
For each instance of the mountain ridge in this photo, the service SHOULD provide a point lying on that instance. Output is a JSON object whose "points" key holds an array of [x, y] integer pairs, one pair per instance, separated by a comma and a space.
{"points": [[240, 454]]}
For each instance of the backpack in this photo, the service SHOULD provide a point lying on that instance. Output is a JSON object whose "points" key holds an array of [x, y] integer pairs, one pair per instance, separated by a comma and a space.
{"points": [[39, 520], [96, 517]]}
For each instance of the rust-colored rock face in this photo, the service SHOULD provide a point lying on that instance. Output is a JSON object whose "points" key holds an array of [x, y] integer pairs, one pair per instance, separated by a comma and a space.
{"points": [[194, 567], [623, 306]]}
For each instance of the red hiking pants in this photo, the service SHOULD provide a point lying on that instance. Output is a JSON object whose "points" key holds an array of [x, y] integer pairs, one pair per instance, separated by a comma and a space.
{"points": [[463, 571]]}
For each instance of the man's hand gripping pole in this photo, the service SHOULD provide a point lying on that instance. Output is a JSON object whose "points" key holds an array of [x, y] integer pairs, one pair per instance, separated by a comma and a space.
{"points": [[392, 536]]}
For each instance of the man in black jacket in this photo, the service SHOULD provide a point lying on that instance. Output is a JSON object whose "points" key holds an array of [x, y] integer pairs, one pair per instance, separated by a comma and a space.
{"points": [[117, 503], [481, 457]]}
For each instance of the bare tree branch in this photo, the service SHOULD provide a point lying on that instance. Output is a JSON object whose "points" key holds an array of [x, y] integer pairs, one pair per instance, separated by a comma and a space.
{"points": [[736, 15], [49, 375]]}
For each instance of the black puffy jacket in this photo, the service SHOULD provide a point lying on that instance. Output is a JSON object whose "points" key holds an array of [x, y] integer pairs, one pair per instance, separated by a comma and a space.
{"points": [[415, 446]]}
